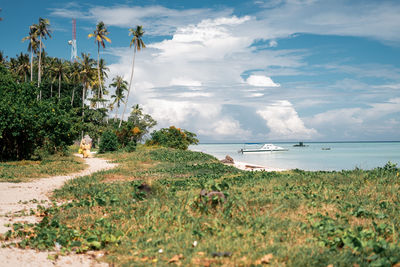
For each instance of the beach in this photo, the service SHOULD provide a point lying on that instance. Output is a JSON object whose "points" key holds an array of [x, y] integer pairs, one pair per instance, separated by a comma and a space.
{"points": [[314, 156]]}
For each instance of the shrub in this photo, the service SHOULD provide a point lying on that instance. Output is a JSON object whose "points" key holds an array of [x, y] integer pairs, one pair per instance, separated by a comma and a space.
{"points": [[27, 124], [173, 137], [108, 142]]}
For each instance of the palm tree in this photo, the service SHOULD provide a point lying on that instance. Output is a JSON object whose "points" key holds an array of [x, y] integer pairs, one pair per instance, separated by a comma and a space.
{"points": [[42, 31], [22, 66], [86, 76], [60, 70], [120, 86], [75, 76], [138, 44], [100, 34], [33, 44], [2, 57], [98, 95]]}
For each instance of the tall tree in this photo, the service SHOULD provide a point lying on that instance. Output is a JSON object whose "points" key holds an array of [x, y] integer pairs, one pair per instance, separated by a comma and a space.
{"points": [[75, 76], [120, 86], [43, 30], [100, 34], [138, 44], [60, 70], [86, 77], [22, 66], [33, 44]]}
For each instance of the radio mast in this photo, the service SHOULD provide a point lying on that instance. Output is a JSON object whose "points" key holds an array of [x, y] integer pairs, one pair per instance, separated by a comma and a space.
{"points": [[74, 51]]}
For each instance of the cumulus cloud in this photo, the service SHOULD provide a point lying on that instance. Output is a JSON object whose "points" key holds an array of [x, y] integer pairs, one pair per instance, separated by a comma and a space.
{"points": [[261, 81], [284, 122], [353, 123], [181, 81]]}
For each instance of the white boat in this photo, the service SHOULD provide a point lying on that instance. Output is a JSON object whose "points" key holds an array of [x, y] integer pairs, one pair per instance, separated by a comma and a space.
{"points": [[264, 148]]}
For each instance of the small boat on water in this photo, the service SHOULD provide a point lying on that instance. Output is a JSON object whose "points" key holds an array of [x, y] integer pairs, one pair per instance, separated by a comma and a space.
{"points": [[264, 148]]}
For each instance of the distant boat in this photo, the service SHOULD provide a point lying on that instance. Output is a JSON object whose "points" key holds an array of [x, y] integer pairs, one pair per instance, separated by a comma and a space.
{"points": [[300, 144], [326, 148], [264, 148]]}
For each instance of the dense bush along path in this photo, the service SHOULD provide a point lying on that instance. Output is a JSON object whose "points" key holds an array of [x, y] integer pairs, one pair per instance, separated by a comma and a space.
{"points": [[16, 200]]}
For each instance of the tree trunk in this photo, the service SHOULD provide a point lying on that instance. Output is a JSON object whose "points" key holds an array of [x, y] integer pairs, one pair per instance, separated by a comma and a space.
{"points": [[59, 86], [39, 71], [72, 98], [40, 61], [51, 90], [129, 89], [98, 72], [31, 65], [83, 106]]}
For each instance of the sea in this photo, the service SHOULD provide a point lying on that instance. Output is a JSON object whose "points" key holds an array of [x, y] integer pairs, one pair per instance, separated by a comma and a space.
{"points": [[314, 156]]}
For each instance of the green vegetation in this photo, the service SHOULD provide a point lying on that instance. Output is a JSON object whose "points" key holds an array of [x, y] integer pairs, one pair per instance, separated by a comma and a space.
{"points": [[51, 165], [149, 210], [173, 137], [108, 142], [27, 125]]}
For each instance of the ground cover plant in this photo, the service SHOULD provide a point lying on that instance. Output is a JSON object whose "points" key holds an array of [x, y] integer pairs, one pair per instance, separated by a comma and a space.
{"points": [[50, 165], [152, 210]]}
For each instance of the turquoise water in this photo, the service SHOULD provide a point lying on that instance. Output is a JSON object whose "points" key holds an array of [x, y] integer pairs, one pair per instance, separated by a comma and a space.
{"points": [[341, 156]]}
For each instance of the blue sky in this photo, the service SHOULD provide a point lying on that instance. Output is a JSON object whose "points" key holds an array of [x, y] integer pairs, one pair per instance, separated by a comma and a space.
{"points": [[277, 70]]}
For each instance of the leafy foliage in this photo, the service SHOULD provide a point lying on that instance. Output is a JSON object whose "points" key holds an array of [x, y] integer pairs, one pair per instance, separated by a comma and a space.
{"points": [[173, 137], [108, 142], [27, 125]]}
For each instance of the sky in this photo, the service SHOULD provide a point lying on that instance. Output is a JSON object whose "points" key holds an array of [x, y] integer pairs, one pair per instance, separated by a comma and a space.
{"points": [[241, 71]]}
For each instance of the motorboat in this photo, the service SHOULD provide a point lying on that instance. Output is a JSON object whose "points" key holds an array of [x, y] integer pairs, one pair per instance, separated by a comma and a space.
{"points": [[264, 148]]}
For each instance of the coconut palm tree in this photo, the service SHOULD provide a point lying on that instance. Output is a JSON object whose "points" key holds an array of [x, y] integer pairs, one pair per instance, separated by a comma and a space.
{"points": [[138, 44], [98, 94], [75, 76], [60, 69], [2, 57], [43, 30], [33, 44], [87, 74], [100, 34], [120, 86], [22, 66]]}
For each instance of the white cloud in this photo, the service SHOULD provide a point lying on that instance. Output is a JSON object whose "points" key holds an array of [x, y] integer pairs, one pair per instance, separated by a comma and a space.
{"points": [[181, 81], [261, 81], [284, 122], [273, 43]]}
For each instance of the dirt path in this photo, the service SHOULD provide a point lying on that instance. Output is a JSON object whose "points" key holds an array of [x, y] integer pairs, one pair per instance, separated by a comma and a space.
{"points": [[19, 198]]}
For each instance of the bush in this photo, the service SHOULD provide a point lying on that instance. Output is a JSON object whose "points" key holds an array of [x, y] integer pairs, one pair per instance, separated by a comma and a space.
{"points": [[108, 142], [27, 124], [173, 137]]}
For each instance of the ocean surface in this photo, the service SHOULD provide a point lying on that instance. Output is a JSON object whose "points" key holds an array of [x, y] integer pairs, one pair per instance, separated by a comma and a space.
{"points": [[340, 156]]}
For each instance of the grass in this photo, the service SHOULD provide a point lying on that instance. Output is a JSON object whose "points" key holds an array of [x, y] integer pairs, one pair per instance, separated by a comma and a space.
{"points": [[26, 170], [296, 218]]}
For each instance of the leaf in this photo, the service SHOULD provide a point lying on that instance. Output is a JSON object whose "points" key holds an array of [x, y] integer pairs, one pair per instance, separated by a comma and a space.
{"points": [[266, 259], [175, 258]]}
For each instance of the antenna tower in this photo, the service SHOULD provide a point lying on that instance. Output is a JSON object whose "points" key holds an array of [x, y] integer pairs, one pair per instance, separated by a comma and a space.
{"points": [[74, 51]]}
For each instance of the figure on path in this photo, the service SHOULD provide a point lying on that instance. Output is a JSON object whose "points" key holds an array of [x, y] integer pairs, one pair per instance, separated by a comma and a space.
{"points": [[85, 146]]}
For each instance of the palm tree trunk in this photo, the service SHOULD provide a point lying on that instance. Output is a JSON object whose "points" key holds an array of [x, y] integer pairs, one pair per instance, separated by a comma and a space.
{"points": [[31, 65], [59, 86], [129, 89], [40, 61], [83, 106], [98, 71], [39, 71], [72, 98]]}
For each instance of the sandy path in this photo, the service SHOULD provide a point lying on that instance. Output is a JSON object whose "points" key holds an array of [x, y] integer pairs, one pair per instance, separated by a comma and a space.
{"points": [[17, 197]]}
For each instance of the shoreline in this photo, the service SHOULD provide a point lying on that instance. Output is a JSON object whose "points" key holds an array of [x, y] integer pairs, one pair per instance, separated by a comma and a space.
{"points": [[244, 166]]}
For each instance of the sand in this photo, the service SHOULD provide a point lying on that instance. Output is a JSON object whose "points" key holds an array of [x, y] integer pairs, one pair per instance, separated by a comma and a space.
{"points": [[252, 167], [18, 198]]}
